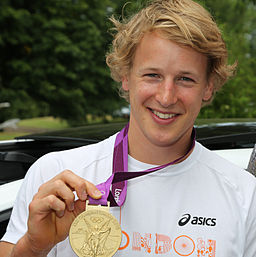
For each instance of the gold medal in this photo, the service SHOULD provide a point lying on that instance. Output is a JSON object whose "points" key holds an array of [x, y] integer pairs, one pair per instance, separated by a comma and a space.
{"points": [[95, 232]]}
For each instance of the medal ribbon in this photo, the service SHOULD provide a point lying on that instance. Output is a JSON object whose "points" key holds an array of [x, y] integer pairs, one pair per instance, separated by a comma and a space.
{"points": [[120, 173]]}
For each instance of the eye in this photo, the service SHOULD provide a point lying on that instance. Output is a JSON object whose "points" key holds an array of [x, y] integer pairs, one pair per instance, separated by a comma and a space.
{"points": [[152, 75], [186, 79]]}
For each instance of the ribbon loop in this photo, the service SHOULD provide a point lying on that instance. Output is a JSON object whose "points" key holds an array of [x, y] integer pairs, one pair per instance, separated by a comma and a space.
{"points": [[120, 173]]}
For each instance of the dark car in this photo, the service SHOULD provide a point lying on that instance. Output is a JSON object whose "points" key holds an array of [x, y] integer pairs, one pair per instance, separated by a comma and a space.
{"points": [[233, 141]]}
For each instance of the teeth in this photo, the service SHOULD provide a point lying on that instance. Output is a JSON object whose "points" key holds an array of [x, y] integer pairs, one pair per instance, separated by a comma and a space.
{"points": [[163, 115]]}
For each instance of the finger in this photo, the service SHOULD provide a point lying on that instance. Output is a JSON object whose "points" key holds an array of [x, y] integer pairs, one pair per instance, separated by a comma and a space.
{"points": [[79, 207], [59, 189], [82, 187], [46, 205], [92, 190]]}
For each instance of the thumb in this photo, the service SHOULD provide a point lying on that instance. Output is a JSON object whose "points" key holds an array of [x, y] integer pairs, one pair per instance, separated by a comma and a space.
{"points": [[93, 191]]}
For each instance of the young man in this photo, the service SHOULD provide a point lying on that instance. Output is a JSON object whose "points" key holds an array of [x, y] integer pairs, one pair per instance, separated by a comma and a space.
{"points": [[170, 59]]}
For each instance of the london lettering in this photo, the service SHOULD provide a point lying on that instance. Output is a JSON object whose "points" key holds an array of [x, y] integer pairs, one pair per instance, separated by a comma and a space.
{"points": [[117, 194], [182, 245]]}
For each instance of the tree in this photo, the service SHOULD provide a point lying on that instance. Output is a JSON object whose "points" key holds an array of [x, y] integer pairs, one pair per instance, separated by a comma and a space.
{"points": [[53, 58], [237, 98]]}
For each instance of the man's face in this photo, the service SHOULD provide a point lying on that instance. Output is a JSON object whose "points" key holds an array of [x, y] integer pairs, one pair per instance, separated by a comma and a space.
{"points": [[166, 84]]}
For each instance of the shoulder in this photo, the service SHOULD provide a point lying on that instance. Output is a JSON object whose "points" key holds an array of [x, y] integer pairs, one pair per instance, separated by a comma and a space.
{"points": [[221, 165], [229, 176], [76, 159], [84, 154]]}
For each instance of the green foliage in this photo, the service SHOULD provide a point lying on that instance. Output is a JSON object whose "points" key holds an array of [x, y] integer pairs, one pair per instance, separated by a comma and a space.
{"points": [[237, 20], [53, 59]]}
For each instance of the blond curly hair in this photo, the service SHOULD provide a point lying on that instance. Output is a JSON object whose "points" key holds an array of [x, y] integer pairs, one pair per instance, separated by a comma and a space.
{"points": [[185, 22]]}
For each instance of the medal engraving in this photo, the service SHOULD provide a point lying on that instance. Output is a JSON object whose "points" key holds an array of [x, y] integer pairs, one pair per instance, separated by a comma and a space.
{"points": [[95, 233]]}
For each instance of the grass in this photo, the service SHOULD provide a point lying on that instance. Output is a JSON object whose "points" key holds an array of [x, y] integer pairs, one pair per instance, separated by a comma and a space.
{"points": [[43, 123], [34, 125], [11, 135]]}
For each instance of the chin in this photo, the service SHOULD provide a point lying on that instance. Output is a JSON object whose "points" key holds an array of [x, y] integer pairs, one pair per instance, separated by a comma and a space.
{"points": [[163, 141]]}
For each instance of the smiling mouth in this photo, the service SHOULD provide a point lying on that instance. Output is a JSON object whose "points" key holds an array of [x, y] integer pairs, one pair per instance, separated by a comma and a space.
{"points": [[164, 116]]}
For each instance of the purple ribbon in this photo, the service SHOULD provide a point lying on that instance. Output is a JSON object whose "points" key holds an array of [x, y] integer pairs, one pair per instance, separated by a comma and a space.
{"points": [[119, 176]]}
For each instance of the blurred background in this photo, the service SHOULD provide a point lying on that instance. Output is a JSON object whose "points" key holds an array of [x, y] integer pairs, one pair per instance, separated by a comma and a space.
{"points": [[53, 72]]}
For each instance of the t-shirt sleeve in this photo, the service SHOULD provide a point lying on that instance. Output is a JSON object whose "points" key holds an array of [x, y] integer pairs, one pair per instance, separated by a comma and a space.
{"points": [[17, 226], [41, 171]]}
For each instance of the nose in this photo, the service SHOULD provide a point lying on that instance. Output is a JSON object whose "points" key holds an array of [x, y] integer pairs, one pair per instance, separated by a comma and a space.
{"points": [[166, 93]]}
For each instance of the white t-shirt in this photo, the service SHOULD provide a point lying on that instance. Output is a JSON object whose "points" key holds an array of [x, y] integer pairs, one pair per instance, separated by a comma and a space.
{"points": [[203, 206]]}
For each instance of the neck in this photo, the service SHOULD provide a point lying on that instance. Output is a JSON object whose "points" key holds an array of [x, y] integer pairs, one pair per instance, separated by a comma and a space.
{"points": [[145, 151]]}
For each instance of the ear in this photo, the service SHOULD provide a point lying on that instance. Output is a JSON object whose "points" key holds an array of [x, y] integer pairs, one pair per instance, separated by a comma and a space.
{"points": [[208, 91], [125, 83]]}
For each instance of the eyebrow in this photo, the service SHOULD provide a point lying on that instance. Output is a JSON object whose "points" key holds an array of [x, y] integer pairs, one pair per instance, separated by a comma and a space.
{"points": [[148, 69], [188, 73], [152, 69]]}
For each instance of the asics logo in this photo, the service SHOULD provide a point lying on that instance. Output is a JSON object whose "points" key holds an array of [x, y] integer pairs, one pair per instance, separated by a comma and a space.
{"points": [[184, 220], [202, 221]]}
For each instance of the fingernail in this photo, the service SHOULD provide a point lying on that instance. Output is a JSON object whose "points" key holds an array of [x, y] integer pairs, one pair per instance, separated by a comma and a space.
{"points": [[97, 193]]}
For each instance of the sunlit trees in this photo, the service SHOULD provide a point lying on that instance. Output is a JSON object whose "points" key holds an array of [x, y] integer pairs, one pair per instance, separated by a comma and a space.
{"points": [[52, 57]]}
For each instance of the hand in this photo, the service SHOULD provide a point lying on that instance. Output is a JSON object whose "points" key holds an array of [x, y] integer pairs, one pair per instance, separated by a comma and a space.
{"points": [[54, 208]]}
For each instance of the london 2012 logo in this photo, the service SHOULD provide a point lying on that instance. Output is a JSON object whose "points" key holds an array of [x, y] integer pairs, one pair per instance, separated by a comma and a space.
{"points": [[196, 220]]}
